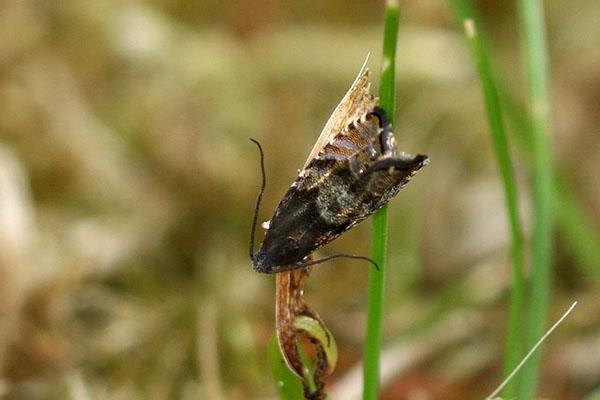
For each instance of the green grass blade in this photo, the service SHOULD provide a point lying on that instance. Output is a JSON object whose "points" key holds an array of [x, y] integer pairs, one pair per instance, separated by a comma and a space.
{"points": [[387, 94], [513, 350], [579, 233], [387, 88], [535, 55], [463, 9]]}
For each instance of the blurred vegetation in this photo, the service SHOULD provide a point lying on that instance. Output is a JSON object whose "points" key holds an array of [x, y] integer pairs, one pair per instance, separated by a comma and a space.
{"points": [[127, 184]]}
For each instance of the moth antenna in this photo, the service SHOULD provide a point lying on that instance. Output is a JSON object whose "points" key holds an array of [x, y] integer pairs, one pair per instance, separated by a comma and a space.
{"points": [[259, 197], [334, 256]]}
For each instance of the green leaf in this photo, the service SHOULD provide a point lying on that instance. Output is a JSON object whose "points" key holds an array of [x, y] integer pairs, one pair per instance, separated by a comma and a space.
{"points": [[317, 331]]}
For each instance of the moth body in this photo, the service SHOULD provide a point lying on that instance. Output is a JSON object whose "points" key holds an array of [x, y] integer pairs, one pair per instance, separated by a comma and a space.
{"points": [[351, 177]]}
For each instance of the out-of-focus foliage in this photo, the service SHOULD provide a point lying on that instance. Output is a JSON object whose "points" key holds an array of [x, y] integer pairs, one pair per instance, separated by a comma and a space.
{"points": [[127, 183]]}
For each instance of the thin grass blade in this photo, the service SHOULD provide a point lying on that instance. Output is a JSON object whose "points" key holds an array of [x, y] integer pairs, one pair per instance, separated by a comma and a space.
{"points": [[387, 94]]}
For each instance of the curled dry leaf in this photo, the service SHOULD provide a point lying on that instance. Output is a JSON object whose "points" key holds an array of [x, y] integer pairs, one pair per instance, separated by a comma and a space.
{"points": [[294, 319]]}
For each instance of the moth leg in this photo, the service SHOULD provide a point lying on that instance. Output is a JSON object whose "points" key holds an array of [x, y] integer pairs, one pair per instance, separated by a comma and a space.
{"points": [[353, 162], [355, 167], [371, 150], [405, 163], [387, 140]]}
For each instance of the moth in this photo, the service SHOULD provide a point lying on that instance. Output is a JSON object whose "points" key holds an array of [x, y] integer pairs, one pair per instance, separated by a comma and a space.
{"points": [[352, 171]]}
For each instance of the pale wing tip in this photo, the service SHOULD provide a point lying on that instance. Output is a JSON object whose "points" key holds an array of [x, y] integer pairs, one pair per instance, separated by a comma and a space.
{"points": [[363, 71]]}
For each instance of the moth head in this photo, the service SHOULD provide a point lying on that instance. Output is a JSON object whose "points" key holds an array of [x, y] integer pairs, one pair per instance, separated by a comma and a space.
{"points": [[262, 262]]}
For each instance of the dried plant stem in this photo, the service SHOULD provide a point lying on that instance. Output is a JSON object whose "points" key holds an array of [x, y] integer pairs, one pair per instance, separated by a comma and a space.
{"points": [[530, 353]]}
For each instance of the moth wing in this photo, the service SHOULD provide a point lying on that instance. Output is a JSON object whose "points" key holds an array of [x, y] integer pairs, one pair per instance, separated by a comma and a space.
{"points": [[356, 102], [353, 140]]}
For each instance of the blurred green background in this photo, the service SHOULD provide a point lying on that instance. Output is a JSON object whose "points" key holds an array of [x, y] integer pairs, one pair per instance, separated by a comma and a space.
{"points": [[127, 184]]}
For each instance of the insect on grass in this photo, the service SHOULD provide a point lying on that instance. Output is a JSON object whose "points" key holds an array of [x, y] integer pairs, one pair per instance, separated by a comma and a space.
{"points": [[353, 170]]}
